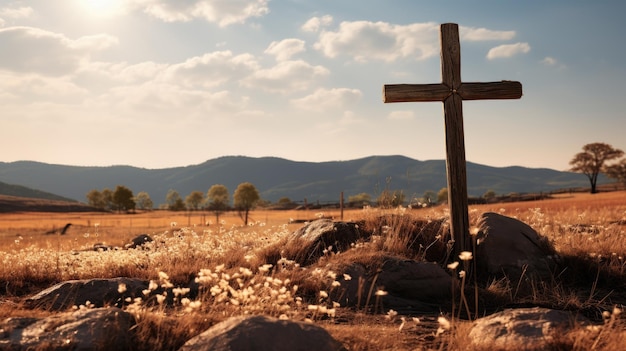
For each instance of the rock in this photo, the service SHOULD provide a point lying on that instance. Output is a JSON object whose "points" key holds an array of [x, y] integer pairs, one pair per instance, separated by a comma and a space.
{"points": [[139, 241], [410, 286], [522, 329], [320, 235], [511, 248], [262, 333], [85, 329], [99, 293], [102, 247]]}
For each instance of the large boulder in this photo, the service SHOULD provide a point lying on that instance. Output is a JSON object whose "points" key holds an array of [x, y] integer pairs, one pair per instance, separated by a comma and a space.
{"points": [[95, 292], [507, 247], [85, 329], [405, 285], [260, 333], [522, 329], [319, 237]]}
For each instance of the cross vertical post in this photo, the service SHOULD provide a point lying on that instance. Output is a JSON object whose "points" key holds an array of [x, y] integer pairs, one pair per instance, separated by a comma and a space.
{"points": [[452, 91]]}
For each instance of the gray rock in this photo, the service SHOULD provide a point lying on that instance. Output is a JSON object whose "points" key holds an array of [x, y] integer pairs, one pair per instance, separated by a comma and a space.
{"points": [[99, 292], [410, 286], [260, 333], [85, 329], [511, 248], [522, 329], [317, 236], [139, 241]]}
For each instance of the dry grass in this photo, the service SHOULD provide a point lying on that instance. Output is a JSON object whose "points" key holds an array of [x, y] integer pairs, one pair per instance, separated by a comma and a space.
{"points": [[229, 262]]}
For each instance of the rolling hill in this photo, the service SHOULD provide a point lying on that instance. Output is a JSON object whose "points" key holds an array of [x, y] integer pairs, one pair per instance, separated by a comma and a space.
{"points": [[22, 191], [277, 177]]}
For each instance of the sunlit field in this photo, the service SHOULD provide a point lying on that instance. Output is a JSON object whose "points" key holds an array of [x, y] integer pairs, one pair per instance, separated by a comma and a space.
{"points": [[230, 262]]}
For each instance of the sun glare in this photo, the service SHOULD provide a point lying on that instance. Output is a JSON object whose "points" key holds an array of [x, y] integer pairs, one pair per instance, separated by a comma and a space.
{"points": [[103, 8]]}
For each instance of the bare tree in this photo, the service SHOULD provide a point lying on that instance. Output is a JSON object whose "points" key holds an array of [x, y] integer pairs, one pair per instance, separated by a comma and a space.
{"points": [[591, 161]]}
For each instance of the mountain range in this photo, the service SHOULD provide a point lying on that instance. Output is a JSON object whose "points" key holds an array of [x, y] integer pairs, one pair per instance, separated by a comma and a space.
{"points": [[276, 178]]}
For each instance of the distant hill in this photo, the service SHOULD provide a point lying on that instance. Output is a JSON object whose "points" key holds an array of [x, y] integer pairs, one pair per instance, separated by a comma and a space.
{"points": [[25, 204], [22, 191], [18, 198], [276, 178]]}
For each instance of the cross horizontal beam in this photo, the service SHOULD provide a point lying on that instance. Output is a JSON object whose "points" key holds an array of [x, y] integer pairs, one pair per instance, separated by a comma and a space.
{"points": [[439, 92]]}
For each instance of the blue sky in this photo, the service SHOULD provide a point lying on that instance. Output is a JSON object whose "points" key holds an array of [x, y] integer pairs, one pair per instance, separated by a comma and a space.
{"points": [[164, 83]]}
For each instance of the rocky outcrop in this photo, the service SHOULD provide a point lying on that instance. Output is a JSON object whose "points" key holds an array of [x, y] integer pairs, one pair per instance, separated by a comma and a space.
{"points": [[319, 237], [404, 285], [262, 333], [95, 292], [523, 328], [85, 329]]}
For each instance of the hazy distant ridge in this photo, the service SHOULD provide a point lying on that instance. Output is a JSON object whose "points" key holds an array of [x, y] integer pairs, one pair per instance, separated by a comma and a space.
{"points": [[276, 177]]}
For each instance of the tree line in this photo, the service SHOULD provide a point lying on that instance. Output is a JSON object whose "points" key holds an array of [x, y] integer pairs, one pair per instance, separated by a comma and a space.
{"points": [[217, 200]]}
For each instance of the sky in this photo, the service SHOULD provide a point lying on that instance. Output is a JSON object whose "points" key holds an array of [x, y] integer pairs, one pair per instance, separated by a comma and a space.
{"points": [[169, 83]]}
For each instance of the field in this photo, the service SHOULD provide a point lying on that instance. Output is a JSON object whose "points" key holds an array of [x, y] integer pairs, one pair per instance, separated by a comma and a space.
{"points": [[589, 231]]}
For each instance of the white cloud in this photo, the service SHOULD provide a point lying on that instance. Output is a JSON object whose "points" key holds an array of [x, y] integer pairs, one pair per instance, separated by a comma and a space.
{"points": [[93, 42], [285, 49], [38, 51], [549, 61], [222, 12], [481, 34], [328, 99], [16, 13], [211, 69], [285, 77], [508, 50], [401, 115], [366, 41], [552, 62], [314, 24], [30, 88], [162, 100]]}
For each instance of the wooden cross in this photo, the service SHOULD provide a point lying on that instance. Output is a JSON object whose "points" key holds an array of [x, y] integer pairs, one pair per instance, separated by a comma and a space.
{"points": [[452, 91]]}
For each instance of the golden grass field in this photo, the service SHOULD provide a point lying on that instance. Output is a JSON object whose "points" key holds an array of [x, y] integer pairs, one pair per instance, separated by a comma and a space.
{"points": [[589, 229]]}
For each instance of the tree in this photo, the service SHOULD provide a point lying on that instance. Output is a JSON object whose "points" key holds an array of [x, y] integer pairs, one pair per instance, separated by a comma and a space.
{"points": [[123, 199], [107, 198], [95, 199], [244, 198], [174, 201], [442, 196], [143, 201], [617, 171], [591, 161], [194, 200], [217, 198], [489, 195]]}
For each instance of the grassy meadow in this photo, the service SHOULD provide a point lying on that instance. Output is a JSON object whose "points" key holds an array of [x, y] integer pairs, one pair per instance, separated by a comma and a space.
{"points": [[230, 262]]}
